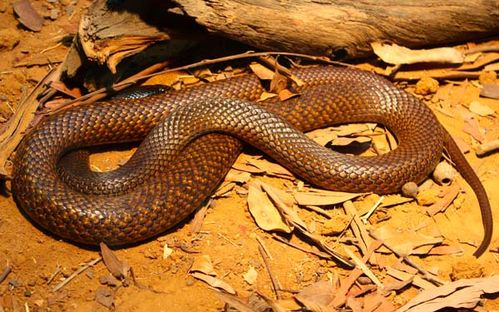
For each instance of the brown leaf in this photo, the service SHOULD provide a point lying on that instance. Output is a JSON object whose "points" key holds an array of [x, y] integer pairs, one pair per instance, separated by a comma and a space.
{"points": [[270, 168], [235, 302], [214, 282], [323, 198], [446, 250], [284, 203], [285, 94], [204, 265], [119, 269], [261, 71], [472, 127], [343, 141], [318, 296], [406, 242], [448, 196], [482, 109], [490, 90], [279, 82], [266, 215], [322, 136], [459, 294], [105, 296], [416, 280], [27, 15], [395, 284]]}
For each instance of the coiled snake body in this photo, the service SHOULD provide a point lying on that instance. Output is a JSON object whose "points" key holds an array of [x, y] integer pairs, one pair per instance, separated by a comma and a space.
{"points": [[183, 158]]}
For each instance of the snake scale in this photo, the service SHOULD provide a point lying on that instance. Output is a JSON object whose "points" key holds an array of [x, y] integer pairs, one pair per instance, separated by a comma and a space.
{"points": [[190, 138]]}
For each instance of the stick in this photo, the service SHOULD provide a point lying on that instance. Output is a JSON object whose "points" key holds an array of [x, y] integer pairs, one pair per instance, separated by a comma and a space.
{"points": [[76, 273], [100, 93]]}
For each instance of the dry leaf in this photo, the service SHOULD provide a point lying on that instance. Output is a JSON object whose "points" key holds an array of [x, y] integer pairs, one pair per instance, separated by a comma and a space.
{"points": [[266, 95], [317, 297], [482, 109], [266, 215], [323, 198], [238, 176], [490, 90], [394, 200], [119, 269], [395, 54], [354, 129], [167, 251], [270, 168], [278, 83], [445, 250], [251, 275], [235, 303], [224, 189], [261, 71], [189, 79], [342, 141], [459, 294], [105, 296], [284, 203], [406, 242], [322, 136], [285, 94], [204, 265], [27, 15], [472, 127], [447, 197], [395, 284], [214, 282], [416, 280]]}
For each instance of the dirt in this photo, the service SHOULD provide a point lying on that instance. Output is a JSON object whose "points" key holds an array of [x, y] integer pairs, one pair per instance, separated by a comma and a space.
{"points": [[40, 261]]}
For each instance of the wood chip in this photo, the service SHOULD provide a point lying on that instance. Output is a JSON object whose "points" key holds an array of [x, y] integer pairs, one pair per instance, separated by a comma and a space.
{"points": [[395, 54]]}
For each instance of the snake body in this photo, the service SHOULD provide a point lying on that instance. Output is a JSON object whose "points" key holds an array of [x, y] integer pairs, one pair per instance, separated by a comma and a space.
{"points": [[190, 139]]}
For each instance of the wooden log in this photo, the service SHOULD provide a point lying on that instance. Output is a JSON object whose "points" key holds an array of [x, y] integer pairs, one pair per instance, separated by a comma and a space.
{"points": [[344, 29]]}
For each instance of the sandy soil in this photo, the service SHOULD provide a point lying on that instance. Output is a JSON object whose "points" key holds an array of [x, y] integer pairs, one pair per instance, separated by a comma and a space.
{"points": [[228, 234]]}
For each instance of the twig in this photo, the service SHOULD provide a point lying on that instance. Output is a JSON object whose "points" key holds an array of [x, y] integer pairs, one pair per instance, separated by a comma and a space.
{"points": [[373, 208], [275, 283], [76, 273], [54, 274], [264, 247], [363, 267], [5, 273], [427, 275], [228, 240], [306, 250], [101, 93]]}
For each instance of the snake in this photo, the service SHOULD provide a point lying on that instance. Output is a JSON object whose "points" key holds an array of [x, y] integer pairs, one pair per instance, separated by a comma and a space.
{"points": [[190, 138]]}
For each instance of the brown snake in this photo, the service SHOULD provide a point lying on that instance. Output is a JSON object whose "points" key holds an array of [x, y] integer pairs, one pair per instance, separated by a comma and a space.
{"points": [[183, 158]]}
